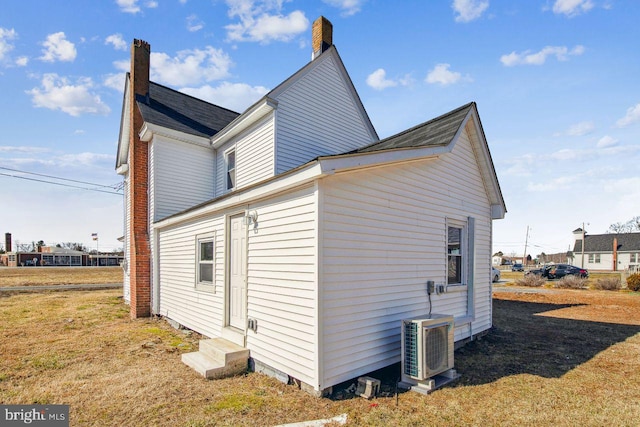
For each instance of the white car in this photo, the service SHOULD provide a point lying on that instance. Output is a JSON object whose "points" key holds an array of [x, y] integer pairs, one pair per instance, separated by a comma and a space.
{"points": [[495, 274]]}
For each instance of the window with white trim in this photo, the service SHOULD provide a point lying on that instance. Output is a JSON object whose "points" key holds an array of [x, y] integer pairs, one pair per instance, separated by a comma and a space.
{"points": [[456, 253], [634, 258], [594, 258], [204, 260], [230, 166]]}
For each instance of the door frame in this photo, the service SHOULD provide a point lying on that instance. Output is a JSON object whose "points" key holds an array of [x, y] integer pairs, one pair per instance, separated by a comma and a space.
{"points": [[234, 334]]}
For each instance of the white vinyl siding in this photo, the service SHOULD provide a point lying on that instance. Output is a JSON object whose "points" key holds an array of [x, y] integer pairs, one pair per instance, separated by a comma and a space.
{"points": [[281, 279], [181, 176], [310, 125], [201, 311], [384, 236], [282, 284], [254, 157]]}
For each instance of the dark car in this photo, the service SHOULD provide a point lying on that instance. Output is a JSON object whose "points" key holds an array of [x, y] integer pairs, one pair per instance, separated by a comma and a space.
{"points": [[517, 267], [558, 271]]}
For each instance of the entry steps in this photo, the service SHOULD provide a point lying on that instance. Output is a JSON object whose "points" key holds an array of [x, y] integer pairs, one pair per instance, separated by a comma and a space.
{"points": [[217, 358]]}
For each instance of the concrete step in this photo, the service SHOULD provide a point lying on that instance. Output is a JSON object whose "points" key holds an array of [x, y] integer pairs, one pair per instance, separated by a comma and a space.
{"points": [[223, 351], [217, 358]]}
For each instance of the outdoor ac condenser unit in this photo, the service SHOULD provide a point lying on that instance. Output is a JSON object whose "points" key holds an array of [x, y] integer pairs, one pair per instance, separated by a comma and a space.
{"points": [[427, 350]]}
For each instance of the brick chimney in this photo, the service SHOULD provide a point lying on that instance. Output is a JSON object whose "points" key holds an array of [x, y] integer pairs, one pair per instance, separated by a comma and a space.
{"points": [[321, 36], [7, 242], [139, 249]]}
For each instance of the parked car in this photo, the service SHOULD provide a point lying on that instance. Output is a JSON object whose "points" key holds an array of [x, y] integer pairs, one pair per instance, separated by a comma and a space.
{"points": [[495, 274], [558, 271], [517, 267]]}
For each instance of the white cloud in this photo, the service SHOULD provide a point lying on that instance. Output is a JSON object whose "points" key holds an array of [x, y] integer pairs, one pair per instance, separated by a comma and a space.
{"points": [[378, 80], [116, 80], [526, 58], [580, 129], [151, 4], [261, 21], [58, 48], [22, 149], [442, 75], [632, 116], [22, 61], [128, 6], [82, 159], [5, 36], [572, 7], [57, 93], [234, 96], [117, 41], [560, 183], [469, 10], [190, 67], [606, 142], [194, 23], [349, 7]]}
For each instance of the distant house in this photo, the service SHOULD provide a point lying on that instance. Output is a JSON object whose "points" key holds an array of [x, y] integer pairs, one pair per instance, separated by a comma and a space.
{"points": [[292, 231], [617, 252]]}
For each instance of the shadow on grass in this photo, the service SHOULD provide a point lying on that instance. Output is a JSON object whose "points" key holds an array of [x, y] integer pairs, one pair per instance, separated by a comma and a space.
{"points": [[520, 342], [523, 342]]}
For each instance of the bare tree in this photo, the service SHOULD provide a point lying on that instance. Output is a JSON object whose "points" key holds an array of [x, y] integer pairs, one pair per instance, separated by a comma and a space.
{"points": [[631, 226]]}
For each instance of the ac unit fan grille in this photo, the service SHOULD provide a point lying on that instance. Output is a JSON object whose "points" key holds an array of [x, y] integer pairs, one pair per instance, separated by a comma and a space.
{"points": [[412, 346], [436, 349]]}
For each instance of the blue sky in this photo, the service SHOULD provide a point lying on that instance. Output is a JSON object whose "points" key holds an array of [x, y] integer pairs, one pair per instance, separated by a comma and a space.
{"points": [[556, 84]]}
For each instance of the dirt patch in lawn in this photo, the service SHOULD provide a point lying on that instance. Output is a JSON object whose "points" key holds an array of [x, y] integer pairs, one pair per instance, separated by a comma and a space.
{"points": [[561, 358], [34, 276]]}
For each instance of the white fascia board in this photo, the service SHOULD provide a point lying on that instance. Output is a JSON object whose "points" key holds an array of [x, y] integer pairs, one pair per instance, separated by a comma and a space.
{"points": [[122, 169], [490, 178], [288, 181], [125, 125], [149, 130], [244, 121], [348, 162]]}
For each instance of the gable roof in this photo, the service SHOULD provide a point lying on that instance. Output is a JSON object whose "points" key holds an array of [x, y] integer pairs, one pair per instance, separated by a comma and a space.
{"points": [[168, 108], [268, 102], [604, 242], [435, 132], [175, 110]]}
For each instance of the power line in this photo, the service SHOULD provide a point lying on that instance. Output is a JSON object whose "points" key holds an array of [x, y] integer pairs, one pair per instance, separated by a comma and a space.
{"points": [[59, 183], [116, 187], [59, 178]]}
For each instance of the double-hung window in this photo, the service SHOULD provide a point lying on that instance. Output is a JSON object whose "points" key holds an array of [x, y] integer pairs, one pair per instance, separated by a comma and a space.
{"points": [[594, 258], [456, 256], [204, 264], [230, 161]]}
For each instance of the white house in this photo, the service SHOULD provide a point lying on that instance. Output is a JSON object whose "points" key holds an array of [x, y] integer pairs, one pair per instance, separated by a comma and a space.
{"points": [[292, 231], [613, 251]]}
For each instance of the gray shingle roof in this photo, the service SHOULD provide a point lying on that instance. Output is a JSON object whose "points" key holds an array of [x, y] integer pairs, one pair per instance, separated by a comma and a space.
{"points": [[436, 132], [627, 242], [175, 110]]}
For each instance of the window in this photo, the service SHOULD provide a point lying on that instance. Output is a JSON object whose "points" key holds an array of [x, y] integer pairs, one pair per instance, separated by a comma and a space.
{"points": [[454, 255], [230, 159], [634, 258], [205, 261], [594, 258]]}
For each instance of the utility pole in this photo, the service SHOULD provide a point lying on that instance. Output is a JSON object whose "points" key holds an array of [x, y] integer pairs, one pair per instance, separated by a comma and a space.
{"points": [[526, 239], [582, 265]]}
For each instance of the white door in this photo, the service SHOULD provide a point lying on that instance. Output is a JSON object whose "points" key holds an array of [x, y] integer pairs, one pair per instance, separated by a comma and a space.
{"points": [[237, 269]]}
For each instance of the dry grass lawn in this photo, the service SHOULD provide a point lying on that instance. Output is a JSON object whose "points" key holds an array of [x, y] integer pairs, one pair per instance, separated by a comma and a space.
{"points": [[31, 276], [560, 358]]}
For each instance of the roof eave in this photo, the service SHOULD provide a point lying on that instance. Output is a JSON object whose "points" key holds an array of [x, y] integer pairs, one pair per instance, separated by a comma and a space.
{"points": [[241, 123]]}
